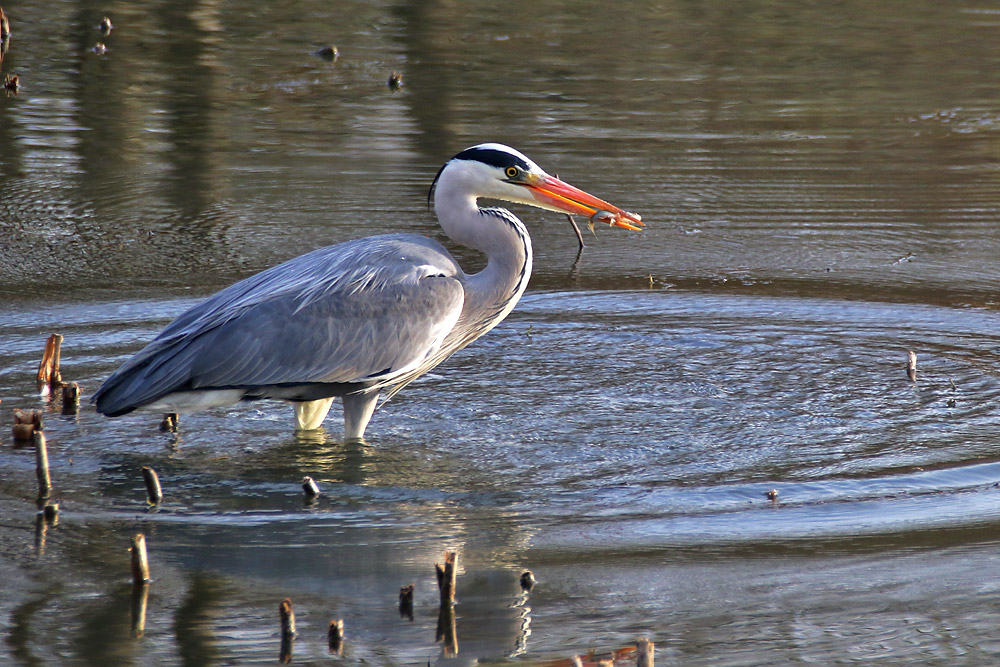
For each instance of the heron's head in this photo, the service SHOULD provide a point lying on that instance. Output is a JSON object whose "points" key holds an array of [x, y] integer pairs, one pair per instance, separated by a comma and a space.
{"points": [[495, 171]]}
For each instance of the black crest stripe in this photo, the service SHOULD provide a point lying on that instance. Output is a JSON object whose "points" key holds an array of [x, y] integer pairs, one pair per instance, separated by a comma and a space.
{"points": [[490, 156]]}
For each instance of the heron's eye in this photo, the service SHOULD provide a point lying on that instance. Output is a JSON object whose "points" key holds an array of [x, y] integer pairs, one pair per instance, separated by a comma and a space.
{"points": [[512, 172]]}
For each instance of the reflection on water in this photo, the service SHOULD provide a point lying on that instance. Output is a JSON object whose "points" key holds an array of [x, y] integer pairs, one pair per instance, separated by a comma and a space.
{"points": [[821, 186]]}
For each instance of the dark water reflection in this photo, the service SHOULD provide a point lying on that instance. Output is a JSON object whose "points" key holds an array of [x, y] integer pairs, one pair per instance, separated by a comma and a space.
{"points": [[820, 182]]}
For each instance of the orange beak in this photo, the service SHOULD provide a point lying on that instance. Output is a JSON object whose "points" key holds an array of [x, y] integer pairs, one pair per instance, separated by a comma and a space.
{"points": [[558, 195]]}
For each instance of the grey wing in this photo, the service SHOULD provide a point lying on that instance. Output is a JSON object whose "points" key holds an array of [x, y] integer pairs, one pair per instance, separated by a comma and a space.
{"points": [[363, 311]]}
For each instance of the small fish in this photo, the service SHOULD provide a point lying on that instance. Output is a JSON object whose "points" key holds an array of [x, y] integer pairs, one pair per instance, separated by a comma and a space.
{"points": [[602, 216], [613, 219]]}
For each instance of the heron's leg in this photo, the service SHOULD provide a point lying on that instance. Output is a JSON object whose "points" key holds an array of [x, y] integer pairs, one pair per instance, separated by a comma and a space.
{"points": [[310, 414], [358, 410]]}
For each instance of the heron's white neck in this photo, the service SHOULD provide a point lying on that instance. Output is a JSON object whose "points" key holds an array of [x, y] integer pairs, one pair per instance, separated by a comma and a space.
{"points": [[502, 238]]}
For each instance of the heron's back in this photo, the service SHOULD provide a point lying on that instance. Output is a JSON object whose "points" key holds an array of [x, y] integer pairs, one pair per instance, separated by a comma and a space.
{"points": [[364, 311]]}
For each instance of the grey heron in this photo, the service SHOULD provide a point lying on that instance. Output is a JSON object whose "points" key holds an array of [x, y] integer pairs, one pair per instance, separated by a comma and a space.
{"points": [[360, 318]]}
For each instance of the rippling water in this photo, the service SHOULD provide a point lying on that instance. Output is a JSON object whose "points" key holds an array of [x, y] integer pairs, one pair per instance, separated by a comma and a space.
{"points": [[819, 183]]}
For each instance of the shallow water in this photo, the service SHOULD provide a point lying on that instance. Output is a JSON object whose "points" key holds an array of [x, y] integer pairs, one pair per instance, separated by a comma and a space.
{"points": [[819, 186]]}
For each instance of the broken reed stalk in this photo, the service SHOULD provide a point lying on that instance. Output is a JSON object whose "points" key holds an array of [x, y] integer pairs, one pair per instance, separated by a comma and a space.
{"points": [[169, 423], [335, 636], [70, 398], [48, 370], [406, 602], [287, 618], [644, 652], [287, 630], [42, 466], [310, 488], [446, 576], [154, 493], [140, 563], [911, 365]]}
